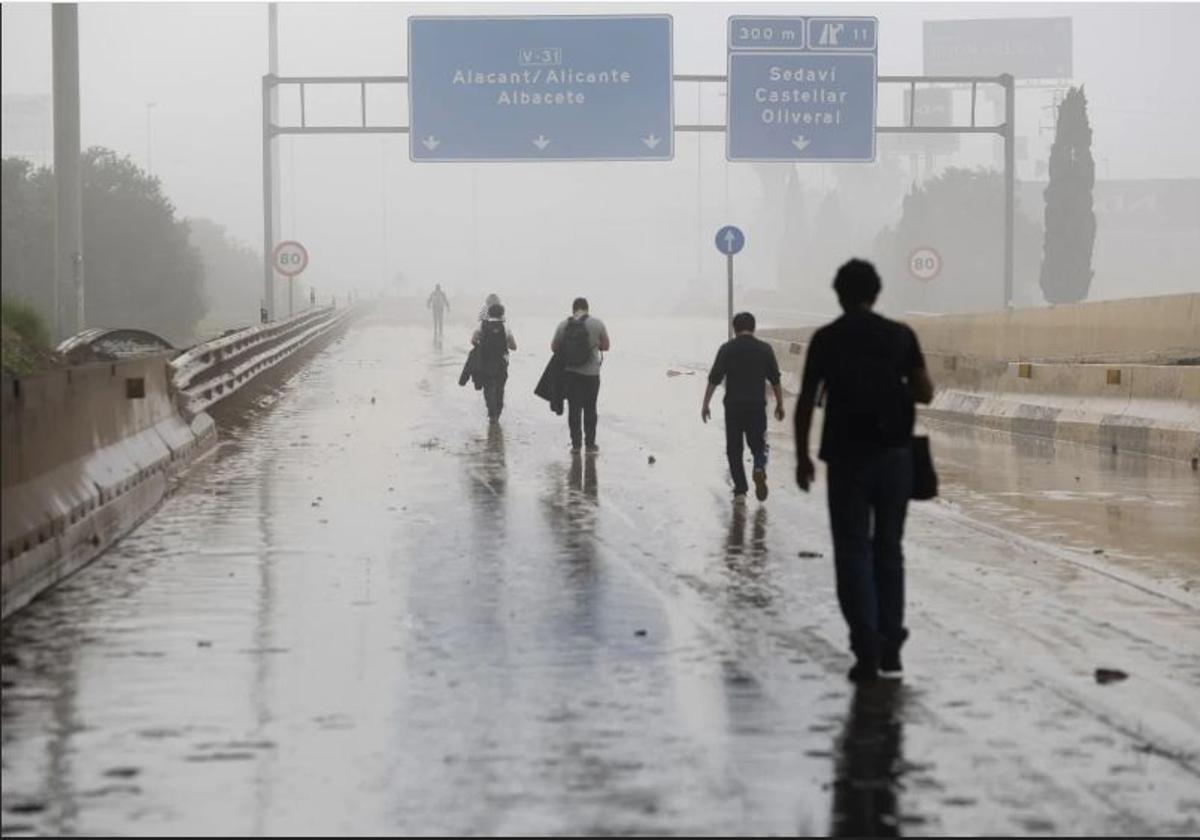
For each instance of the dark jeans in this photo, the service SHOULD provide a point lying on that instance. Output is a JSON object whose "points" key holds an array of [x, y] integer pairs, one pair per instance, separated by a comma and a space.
{"points": [[437, 322], [868, 500], [581, 392], [493, 394], [749, 423]]}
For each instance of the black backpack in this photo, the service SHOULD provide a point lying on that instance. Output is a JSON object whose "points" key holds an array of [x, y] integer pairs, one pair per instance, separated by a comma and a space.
{"points": [[493, 345], [576, 343]]}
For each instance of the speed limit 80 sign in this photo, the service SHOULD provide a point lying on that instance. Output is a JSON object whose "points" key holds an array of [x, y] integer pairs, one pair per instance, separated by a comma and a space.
{"points": [[290, 258], [924, 263]]}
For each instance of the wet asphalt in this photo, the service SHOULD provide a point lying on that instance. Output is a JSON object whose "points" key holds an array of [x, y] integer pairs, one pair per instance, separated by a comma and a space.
{"points": [[371, 613]]}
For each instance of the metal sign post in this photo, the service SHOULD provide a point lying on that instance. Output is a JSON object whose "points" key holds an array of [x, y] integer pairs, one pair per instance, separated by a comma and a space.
{"points": [[289, 259], [730, 240]]}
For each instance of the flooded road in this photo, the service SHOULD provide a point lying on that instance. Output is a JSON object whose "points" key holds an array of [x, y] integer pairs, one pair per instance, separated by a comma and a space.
{"points": [[372, 613]]}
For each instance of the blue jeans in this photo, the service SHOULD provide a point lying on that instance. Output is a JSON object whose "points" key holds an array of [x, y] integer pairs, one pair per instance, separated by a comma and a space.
{"points": [[868, 500]]}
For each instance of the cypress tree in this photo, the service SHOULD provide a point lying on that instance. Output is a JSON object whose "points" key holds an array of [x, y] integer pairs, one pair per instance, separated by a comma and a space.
{"points": [[1070, 219]]}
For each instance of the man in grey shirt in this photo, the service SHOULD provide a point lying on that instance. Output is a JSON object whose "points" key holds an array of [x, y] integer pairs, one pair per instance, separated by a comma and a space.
{"points": [[581, 339]]}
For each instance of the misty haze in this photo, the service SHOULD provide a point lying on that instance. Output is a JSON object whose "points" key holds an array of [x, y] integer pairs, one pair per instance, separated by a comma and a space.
{"points": [[576, 418]]}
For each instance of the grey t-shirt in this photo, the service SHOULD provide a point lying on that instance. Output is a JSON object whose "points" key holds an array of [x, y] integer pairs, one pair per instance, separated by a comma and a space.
{"points": [[595, 329]]}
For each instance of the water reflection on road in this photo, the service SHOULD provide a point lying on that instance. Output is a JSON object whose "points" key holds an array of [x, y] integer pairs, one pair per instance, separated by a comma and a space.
{"points": [[377, 613]]}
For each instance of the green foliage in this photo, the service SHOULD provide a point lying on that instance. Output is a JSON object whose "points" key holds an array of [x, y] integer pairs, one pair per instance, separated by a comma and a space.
{"points": [[960, 214], [139, 268], [25, 338], [27, 259], [23, 319], [233, 275], [1070, 219]]}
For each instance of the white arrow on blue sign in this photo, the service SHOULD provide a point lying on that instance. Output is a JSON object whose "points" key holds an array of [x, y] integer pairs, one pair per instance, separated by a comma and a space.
{"points": [[730, 240], [801, 89], [540, 88]]}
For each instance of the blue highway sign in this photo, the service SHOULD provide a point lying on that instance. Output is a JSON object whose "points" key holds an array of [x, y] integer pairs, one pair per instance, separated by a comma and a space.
{"points": [[801, 89], [540, 88], [730, 240]]}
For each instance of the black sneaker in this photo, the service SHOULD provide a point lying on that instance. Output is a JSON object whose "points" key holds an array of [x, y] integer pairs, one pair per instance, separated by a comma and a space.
{"points": [[760, 485], [864, 671], [593, 449], [889, 665], [574, 449]]}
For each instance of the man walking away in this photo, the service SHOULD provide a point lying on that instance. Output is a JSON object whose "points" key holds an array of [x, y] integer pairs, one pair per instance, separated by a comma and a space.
{"points": [[872, 371], [439, 303], [746, 365], [581, 339], [492, 341]]}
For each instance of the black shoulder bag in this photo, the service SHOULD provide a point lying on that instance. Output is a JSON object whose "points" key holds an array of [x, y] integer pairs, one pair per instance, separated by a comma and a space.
{"points": [[925, 480]]}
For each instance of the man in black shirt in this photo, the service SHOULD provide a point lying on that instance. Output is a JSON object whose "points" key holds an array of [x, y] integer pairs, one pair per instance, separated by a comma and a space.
{"points": [[747, 365], [872, 370]]}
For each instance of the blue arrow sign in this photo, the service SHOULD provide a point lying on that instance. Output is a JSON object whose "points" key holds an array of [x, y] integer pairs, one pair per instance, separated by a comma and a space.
{"points": [[540, 88], [730, 240], [801, 89]]}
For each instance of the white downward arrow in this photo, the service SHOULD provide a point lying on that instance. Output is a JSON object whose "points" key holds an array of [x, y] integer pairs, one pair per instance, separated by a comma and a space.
{"points": [[651, 141], [431, 142], [541, 142], [800, 143]]}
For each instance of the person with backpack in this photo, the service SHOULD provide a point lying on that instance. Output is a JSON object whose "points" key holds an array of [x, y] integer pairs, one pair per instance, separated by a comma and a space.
{"points": [[492, 341], [746, 365], [581, 339], [872, 371], [490, 301], [439, 303]]}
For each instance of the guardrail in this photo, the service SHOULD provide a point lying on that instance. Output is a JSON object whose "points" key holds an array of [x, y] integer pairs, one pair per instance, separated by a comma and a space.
{"points": [[210, 372]]}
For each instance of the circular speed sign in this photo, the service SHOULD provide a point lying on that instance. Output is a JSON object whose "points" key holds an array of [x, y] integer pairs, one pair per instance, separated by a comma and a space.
{"points": [[290, 258], [924, 263]]}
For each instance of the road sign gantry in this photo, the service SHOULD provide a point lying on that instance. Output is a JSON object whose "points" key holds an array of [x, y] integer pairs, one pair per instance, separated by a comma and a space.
{"points": [[829, 37]]}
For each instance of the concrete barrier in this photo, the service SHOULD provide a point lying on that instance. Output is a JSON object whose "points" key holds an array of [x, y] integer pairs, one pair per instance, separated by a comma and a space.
{"points": [[86, 453], [1154, 330], [1148, 409]]}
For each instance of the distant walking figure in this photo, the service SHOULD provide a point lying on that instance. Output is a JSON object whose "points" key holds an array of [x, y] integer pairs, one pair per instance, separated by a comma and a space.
{"points": [[746, 365], [581, 339], [872, 371], [440, 304], [492, 341]]}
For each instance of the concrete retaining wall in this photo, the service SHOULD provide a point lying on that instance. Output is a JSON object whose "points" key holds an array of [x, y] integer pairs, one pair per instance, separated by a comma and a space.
{"points": [[1149, 409], [86, 453], [1155, 330]]}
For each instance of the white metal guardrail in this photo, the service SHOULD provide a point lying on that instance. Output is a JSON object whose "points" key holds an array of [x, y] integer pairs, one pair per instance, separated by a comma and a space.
{"points": [[210, 372]]}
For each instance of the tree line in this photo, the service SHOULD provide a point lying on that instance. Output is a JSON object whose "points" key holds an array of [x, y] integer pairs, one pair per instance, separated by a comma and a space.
{"points": [[144, 266], [959, 213]]}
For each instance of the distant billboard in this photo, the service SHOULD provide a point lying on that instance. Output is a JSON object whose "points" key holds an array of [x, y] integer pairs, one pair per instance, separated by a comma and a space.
{"points": [[934, 107], [1028, 48]]}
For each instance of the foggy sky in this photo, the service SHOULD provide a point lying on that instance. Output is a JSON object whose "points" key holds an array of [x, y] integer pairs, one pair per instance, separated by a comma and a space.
{"points": [[606, 229]]}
